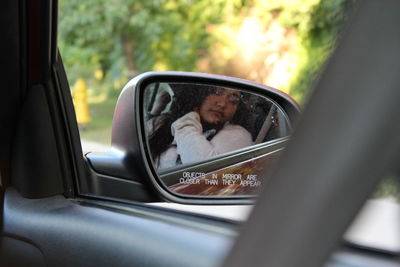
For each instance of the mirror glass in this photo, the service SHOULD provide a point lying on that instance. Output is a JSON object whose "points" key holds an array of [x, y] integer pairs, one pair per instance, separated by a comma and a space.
{"points": [[207, 140]]}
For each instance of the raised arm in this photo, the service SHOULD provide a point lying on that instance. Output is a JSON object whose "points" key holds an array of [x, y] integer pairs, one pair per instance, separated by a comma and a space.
{"points": [[193, 146]]}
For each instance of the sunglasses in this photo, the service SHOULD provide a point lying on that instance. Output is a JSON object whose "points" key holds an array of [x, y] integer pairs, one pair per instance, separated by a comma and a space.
{"points": [[233, 97]]}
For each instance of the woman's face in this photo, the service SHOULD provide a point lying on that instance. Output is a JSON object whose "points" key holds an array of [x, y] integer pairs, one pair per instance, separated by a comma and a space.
{"points": [[220, 106]]}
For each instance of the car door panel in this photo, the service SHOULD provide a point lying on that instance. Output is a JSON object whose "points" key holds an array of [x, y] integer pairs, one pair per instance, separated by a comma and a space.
{"points": [[62, 232]]}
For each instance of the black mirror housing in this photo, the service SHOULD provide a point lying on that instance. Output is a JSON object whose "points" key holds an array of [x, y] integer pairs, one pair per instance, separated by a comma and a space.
{"points": [[130, 163]]}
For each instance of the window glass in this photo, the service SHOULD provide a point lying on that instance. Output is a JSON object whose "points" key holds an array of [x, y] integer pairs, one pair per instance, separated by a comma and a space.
{"points": [[282, 44]]}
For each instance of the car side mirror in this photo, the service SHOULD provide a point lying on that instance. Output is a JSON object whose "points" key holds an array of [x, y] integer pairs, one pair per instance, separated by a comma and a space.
{"points": [[197, 138]]}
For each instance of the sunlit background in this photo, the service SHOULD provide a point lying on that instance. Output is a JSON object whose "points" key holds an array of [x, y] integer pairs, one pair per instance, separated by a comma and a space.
{"points": [[104, 43], [280, 43]]}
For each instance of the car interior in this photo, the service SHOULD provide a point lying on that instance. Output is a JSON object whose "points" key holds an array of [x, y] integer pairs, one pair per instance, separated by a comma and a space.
{"points": [[62, 208], [257, 112]]}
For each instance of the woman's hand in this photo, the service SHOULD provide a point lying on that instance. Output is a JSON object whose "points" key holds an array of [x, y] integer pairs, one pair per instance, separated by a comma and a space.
{"points": [[190, 121]]}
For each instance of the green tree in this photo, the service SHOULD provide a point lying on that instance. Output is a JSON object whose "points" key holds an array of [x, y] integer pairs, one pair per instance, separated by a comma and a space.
{"points": [[319, 37], [124, 37], [120, 38]]}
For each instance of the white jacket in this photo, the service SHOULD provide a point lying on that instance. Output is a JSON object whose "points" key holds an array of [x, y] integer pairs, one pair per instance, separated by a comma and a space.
{"points": [[191, 144]]}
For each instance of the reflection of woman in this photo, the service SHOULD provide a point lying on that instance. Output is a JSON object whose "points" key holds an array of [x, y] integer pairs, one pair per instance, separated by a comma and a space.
{"points": [[202, 123]]}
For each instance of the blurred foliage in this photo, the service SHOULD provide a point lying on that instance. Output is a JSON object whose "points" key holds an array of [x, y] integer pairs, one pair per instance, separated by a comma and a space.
{"points": [[107, 42], [389, 187], [121, 38], [283, 44], [318, 38]]}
